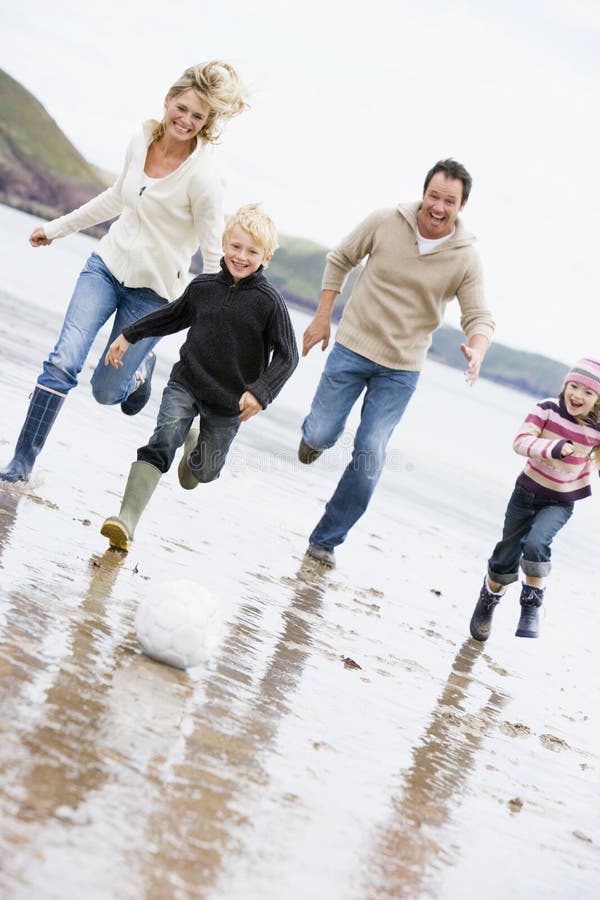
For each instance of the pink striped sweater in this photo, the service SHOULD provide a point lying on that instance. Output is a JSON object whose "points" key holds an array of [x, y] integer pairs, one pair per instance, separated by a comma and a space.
{"points": [[541, 437]]}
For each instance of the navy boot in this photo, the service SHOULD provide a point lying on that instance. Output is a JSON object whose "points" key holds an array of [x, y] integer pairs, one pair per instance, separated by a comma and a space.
{"points": [[531, 600], [41, 415], [481, 620], [140, 395]]}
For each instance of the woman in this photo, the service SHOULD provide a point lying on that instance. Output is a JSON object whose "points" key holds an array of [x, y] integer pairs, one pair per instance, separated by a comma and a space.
{"points": [[168, 200]]}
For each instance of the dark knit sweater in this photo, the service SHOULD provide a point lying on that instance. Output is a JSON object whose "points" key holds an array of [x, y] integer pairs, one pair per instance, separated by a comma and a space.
{"points": [[240, 338]]}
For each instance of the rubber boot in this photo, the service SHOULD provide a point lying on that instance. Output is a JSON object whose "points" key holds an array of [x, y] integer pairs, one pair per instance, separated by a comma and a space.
{"points": [[481, 620], [44, 407], [141, 394], [531, 600], [141, 484], [187, 479]]}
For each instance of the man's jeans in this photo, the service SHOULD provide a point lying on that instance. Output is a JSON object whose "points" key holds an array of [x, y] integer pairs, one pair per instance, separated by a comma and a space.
{"points": [[388, 391], [96, 297], [530, 525], [177, 412]]}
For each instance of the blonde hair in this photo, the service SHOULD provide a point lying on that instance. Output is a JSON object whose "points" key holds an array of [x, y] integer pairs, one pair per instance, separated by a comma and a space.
{"points": [[258, 224], [218, 84]]}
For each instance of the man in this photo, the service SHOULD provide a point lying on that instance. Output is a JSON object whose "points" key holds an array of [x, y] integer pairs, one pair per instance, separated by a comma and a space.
{"points": [[419, 256]]}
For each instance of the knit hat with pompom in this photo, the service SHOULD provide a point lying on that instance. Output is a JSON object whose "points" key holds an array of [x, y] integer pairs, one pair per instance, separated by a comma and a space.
{"points": [[587, 372]]}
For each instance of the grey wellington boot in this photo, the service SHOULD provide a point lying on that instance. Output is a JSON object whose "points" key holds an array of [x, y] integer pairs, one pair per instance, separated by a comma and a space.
{"points": [[141, 484], [187, 479]]}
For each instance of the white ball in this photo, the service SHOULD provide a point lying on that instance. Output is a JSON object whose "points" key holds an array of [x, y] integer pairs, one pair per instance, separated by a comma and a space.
{"points": [[179, 623]]}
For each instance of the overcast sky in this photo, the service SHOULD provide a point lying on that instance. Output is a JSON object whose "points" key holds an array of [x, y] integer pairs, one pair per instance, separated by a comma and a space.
{"points": [[351, 104]]}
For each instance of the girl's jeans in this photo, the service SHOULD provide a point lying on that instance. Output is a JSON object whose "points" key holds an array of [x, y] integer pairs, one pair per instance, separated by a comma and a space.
{"points": [[530, 524], [96, 297], [388, 391], [177, 412]]}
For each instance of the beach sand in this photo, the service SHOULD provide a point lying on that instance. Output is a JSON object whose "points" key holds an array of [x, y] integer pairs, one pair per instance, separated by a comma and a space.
{"points": [[347, 740]]}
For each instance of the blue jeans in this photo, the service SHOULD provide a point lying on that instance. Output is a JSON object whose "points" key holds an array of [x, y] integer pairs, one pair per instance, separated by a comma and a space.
{"points": [[530, 525], [96, 297], [345, 377], [178, 410]]}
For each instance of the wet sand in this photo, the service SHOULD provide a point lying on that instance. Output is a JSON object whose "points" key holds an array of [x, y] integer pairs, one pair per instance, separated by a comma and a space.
{"points": [[431, 767]]}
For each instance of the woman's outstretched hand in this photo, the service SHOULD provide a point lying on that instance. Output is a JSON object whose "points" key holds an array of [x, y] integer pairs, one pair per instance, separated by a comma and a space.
{"points": [[38, 238], [114, 357]]}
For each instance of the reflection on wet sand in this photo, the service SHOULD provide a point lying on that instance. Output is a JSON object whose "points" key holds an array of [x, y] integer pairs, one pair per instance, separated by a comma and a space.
{"points": [[9, 502], [413, 846], [233, 729], [17, 662], [108, 725], [60, 761], [64, 757], [55, 676]]}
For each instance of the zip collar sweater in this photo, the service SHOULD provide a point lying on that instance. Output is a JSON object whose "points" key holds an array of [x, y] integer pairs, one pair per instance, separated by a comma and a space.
{"points": [[158, 229], [400, 297], [240, 338]]}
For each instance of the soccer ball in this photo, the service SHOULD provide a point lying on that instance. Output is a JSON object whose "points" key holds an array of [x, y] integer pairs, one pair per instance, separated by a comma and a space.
{"points": [[178, 623]]}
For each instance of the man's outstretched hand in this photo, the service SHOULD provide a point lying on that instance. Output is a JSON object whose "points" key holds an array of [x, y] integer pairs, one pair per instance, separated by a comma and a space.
{"points": [[474, 357], [318, 330]]}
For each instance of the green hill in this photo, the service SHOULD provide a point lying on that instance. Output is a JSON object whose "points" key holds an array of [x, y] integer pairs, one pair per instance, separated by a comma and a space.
{"points": [[42, 173], [40, 170], [296, 269], [519, 369]]}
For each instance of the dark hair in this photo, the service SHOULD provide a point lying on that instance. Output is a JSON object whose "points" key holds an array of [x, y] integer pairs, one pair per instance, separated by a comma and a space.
{"points": [[451, 169], [593, 417]]}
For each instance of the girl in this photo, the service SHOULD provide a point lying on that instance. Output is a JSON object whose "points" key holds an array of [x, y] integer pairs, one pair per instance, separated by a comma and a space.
{"points": [[168, 202], [561, 440]]}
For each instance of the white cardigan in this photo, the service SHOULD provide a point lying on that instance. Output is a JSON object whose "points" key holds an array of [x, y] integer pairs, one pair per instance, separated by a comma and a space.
{"points": [[159, 229]]}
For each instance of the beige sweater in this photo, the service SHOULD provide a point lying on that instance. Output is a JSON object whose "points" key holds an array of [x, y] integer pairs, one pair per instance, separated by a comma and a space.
{"points": [[400, 296], [152, 242]]}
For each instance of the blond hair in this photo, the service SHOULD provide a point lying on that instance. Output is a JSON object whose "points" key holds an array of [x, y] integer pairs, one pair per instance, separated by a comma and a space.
{"points": [[218, 84], [258, 224]]}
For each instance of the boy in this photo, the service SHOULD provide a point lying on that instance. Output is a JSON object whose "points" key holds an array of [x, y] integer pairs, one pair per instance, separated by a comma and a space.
{"points": [[239, 352]]}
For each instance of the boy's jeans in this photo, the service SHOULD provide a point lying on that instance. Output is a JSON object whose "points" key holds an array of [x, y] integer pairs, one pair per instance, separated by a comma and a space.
{"points": [[530, 525], [96, 297], [177, 412], [388, 391]]}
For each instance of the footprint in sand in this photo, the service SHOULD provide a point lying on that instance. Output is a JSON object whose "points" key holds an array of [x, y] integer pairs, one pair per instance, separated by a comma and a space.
{"points": [[515, 729], [551, 742]]}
